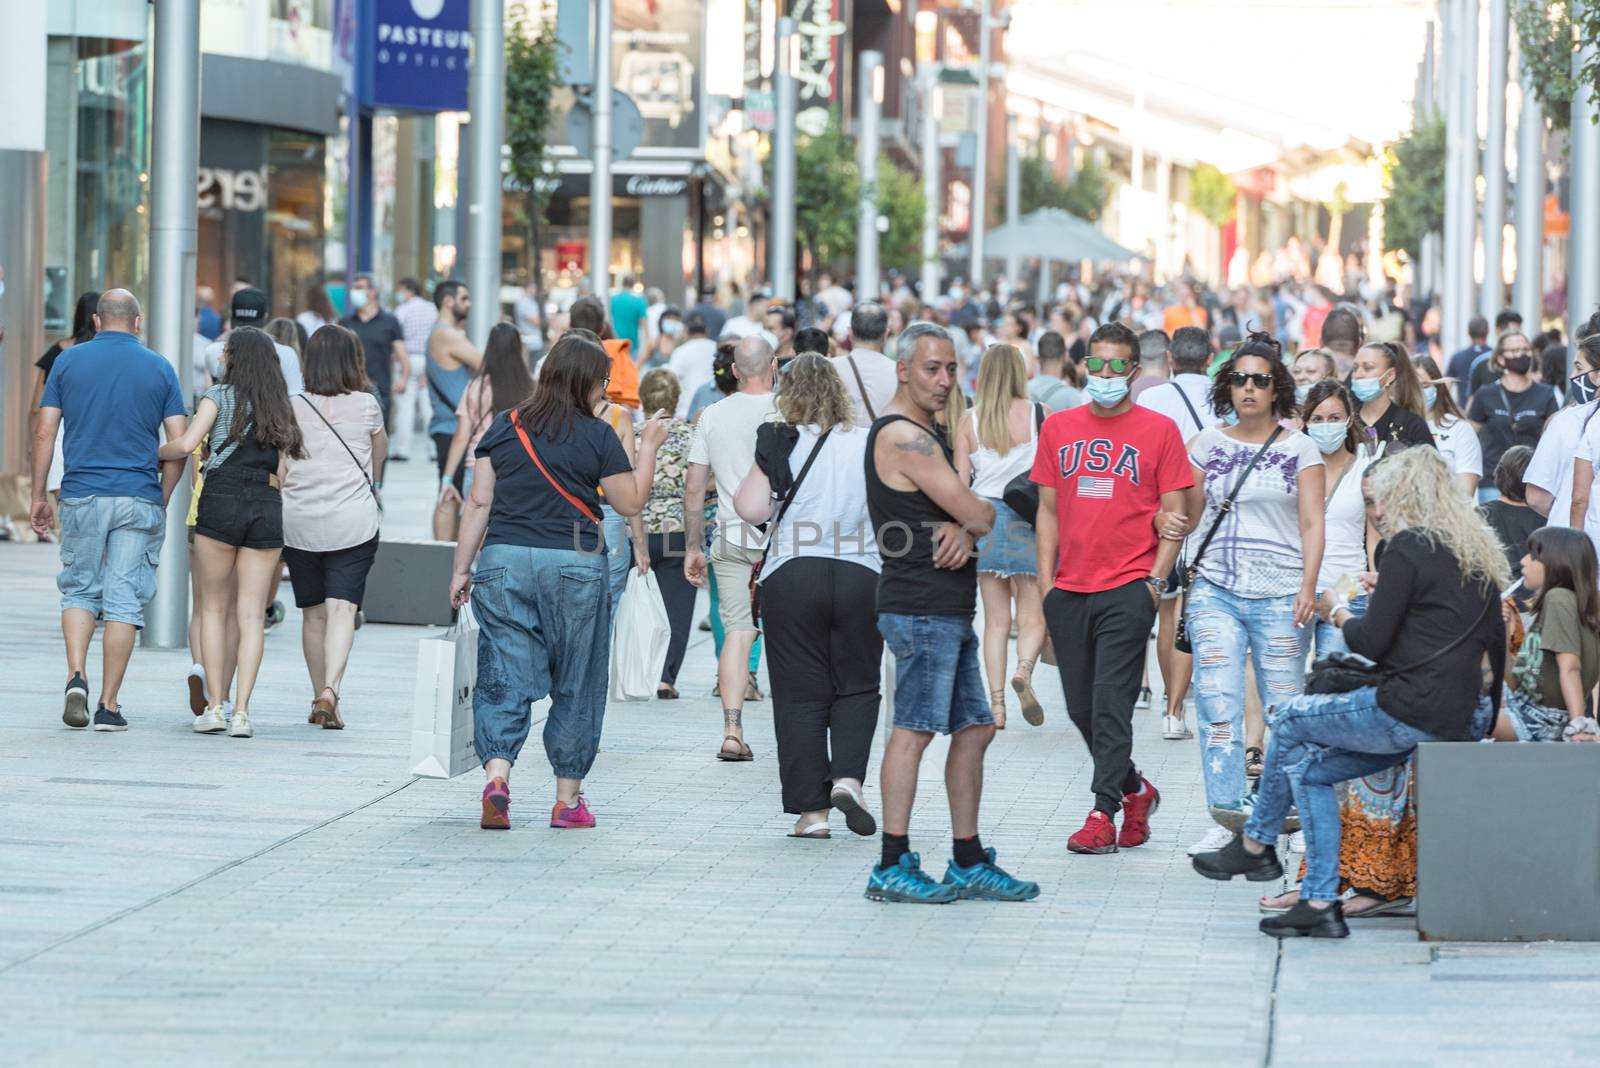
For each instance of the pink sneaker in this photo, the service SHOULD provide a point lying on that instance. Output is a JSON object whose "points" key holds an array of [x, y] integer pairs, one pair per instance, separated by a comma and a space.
{"points": [[573, 817], [496, 806]]}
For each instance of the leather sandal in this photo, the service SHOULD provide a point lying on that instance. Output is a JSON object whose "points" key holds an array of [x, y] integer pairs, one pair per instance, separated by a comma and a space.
{"points": [[997, 705], [331, 720], [741, 754], [1022, 682], [319, 712]]}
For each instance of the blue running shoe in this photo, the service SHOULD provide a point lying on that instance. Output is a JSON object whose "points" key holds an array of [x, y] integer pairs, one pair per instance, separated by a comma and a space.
{"points": [[906, 881], [988, 880]]}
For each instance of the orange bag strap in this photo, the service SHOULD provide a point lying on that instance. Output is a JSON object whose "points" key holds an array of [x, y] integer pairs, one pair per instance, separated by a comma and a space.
{"points": [[570, 499]]}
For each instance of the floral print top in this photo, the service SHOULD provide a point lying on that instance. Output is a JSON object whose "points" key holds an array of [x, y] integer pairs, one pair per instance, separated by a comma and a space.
{"points": [[663, 512]]}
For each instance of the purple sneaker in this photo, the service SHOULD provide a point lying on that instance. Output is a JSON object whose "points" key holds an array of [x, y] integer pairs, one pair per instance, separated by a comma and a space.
{"points": [[572, 817], [496, 806]]}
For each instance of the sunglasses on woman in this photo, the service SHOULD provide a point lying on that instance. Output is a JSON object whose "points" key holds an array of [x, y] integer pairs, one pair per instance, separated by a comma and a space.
{"points": [[1118, 365], [1259, 379]]}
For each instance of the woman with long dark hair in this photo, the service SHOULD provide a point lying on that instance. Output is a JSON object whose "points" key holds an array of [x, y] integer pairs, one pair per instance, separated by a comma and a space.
{"points": [[1549, 680], [1385, 383], [503, 381], [539, 590], [252, 432], [1454, 437], [318, 311], [1327, 416], [82, 330], [331, 510]]}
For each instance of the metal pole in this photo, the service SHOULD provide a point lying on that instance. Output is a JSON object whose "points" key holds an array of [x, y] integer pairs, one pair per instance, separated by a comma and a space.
{"points": [[1528, 290], [1583, 271], [1492, 296], [867, 163], [174, 226], [980, 167], [783, 178], [930, 185], [1013, 200], [486, 97], [1425, 272], [1461, 153], [600, 152]]}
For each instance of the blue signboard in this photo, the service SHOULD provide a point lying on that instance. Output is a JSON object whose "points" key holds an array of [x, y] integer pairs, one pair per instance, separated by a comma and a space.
{"points": [[415, 54]]}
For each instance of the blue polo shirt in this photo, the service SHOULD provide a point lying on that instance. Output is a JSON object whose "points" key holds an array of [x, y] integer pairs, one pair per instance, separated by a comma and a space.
{"points": [[113, 394]]}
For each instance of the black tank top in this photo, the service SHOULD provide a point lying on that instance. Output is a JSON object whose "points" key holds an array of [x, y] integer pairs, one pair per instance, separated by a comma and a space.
{"points": [[904, 522]]}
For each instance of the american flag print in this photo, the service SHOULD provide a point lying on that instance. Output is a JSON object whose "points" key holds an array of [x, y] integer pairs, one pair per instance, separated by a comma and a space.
{"points": [[1098, 488]]}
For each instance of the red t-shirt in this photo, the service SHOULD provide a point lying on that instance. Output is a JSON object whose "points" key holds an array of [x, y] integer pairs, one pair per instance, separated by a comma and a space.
{"points": [[1109, 475]]}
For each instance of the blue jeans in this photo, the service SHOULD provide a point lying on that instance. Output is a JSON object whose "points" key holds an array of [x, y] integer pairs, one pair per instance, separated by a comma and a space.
{"points": [[1329, 638], [938, 688], [1318, 741], [1224, 628], [110, 547], [619, 551], [546, 632]]}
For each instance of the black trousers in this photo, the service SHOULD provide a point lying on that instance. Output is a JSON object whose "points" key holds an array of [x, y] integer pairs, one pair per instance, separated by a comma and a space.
{"points": [[677, 593], [1100, 640], [824, 656]]}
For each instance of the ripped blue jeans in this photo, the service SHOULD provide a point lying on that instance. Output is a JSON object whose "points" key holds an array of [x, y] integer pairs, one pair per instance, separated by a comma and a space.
{"points": [[1224, 628]]}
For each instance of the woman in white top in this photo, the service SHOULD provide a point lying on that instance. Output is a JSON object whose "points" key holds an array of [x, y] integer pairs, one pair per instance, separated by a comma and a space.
{"points": [[821, 570], [331, 510], [994, 445], [1348, 535], [1453, 436]]}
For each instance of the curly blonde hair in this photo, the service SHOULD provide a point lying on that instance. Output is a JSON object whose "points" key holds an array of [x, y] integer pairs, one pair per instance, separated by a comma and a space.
{"points": [[811, 393], [1418, 492]]}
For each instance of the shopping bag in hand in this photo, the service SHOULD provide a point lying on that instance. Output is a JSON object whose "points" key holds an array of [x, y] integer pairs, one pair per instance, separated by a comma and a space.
{"points": [[639, 638], [441, 709]]}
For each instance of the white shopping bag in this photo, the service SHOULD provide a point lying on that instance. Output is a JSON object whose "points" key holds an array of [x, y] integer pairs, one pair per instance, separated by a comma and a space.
{"points": [[441, 710], [639, 638]]}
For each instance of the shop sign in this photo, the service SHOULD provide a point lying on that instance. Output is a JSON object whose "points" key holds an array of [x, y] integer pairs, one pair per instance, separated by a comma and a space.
{"points": [[821, 31], [656, 61], [232, 190], [415, 54], [622, 185]]}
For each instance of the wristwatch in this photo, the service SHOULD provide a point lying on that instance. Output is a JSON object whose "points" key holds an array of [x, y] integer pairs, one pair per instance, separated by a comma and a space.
{"points": [[1157, 583]]}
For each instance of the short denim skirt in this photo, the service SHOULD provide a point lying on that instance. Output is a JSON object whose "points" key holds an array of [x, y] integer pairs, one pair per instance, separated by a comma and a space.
{"points": [[1008, 549]]}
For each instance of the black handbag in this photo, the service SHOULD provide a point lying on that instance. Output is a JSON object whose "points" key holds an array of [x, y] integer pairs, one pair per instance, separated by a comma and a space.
{"points": [[1180, 639], [1021, 494], [1343, 672]]}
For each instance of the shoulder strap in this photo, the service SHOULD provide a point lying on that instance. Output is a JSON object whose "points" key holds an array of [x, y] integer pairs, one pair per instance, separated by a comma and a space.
{"points": [[1038, 419], [794, 487], [516, 424], [862, 386], [1436, 654], [1227, 505], [1189, 404], [354, 459]]}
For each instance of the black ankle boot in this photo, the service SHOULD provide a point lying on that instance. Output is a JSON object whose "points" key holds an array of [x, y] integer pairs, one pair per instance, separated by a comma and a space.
{"points": [[1234, 859], [1307, 921]]}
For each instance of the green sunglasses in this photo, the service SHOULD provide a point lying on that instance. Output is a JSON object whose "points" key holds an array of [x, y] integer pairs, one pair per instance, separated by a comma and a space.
{"points": [[1118, 365]]}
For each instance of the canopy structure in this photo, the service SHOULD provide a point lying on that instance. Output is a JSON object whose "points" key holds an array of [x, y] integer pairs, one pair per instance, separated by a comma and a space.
{"points": [[1052, 234]]}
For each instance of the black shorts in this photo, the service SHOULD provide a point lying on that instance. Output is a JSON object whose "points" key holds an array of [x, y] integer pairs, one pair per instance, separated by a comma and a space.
{"points": [[339, 574], [245, 514], [441, 444]]}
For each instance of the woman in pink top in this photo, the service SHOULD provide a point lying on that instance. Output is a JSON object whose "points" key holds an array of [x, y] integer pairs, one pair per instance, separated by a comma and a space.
{"points": [[503, 382], [331, 509]]}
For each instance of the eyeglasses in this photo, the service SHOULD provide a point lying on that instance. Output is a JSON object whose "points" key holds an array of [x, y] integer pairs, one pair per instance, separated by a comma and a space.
{"points": [[1118, 365], [1259, 379]]}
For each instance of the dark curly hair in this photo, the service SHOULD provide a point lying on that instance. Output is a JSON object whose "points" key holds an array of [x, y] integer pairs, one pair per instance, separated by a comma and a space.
{"points": [[1262, 346]]}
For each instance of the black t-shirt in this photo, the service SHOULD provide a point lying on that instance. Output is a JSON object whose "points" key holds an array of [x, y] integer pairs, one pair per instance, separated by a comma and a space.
{"points": [[1513, 523], [527, 510], [1402, 425], [1505, 418], [48, 360], [378, 336]]}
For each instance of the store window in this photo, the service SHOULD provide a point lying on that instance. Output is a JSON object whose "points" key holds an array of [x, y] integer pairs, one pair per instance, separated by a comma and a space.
{"points": [[111, 242]]}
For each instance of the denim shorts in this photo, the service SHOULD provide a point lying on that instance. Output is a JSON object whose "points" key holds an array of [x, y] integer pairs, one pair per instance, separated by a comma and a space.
{"points": [[110, 547], [1532, 721], [1007, 549], [938, 687], [240, 511]]}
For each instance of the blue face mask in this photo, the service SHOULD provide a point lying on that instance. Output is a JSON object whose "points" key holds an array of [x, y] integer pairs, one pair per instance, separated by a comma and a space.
{"points": [[1330, 437], [1302, 392], [1366, 389], [1106, 392], [1231, 419], [1429, 395]]}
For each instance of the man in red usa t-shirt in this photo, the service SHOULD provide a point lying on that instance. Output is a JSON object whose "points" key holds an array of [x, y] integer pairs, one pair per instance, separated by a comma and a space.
{"points": [[1104, 470]]}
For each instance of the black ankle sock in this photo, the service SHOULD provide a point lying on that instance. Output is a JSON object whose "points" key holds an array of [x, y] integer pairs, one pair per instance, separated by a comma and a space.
{"points": [[893, 846], [969, 851], [1132, 783]]}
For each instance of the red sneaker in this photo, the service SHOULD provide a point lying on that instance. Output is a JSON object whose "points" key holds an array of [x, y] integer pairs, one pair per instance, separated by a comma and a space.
{"points": [[572, 817], [1099, 835], [496, 806], [1137, 808]]}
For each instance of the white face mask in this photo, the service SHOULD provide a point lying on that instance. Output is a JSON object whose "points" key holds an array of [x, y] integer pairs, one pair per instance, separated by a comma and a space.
{"points": [[671, 328], [358, 299]]}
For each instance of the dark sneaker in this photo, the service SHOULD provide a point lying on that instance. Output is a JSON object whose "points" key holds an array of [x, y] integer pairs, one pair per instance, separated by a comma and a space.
{"points": [[988, 880], [1305, 921], [109, 719], [1097, 835], [1137, 808], [1234, 859], [75, 713], [275, 614], [906, 881]]}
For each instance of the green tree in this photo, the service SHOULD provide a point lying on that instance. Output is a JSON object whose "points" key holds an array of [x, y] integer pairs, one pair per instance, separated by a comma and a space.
{"points": [[1413, 182], [1085, 196], [531, 81], [900, 202], [1547, 35], [1212, 194]]}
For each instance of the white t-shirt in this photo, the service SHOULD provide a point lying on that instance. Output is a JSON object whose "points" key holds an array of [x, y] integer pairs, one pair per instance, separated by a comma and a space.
{"points": [[1588, 449], [828, 516], [692, 362], [725, 441], [286, 360], [1345, 525], [1256, 551], [740, 326], [1168, 400], [1458, 443], [1551, 467], [879, 375]]}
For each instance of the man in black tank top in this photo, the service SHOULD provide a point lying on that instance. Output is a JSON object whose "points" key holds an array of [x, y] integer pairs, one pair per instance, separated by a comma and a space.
{"points": [[927, 521]]}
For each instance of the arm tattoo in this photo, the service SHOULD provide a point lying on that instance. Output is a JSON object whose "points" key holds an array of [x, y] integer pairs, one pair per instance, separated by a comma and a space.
{"points": [[921, 444]]}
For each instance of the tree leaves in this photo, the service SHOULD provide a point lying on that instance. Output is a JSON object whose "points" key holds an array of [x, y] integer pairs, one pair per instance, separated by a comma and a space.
{"points": [[1413, 179]]}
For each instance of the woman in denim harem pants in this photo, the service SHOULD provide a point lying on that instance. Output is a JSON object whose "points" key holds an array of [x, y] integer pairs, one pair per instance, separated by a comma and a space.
{"points": [[542, 597]]}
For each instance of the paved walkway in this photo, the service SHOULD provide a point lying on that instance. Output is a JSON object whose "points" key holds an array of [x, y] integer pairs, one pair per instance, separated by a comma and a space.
{"points": [[298, 897]]}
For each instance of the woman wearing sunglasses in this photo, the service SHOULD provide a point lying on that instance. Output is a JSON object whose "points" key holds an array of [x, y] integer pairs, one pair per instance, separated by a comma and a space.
{"points": [[1255, 579], [1511, 411], [1385, 383]]}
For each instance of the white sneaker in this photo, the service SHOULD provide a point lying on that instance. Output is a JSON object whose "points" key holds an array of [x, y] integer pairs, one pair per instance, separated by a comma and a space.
{"points": [[1297, 842], [1144, 698], [1215, 839], [1172, 729], [211, 721], [239, 725]]}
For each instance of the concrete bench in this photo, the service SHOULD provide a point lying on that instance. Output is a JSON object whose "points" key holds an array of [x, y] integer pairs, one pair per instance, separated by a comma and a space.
{"points": [[410, 583], [1508, 842]]}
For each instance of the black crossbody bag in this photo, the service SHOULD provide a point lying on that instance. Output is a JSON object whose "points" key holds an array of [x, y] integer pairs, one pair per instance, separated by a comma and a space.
{"points": [[1180, 640], [772, 527], [1343, 672]]}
